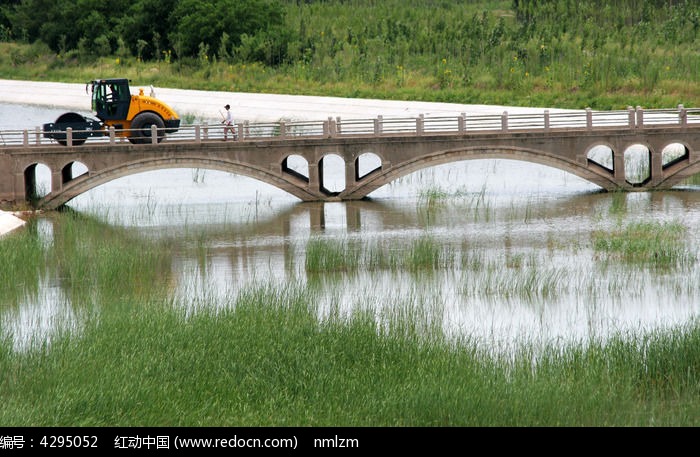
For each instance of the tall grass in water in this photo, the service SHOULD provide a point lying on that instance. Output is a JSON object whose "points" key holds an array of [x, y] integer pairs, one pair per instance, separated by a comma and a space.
{"points": [[88, 259], [326, 255], [267, 360], [89, 255], [432, 196], [342, 255], [652, 244], [433, 199], [693, 180], [22, 259], [426, 253], [529, 278]]}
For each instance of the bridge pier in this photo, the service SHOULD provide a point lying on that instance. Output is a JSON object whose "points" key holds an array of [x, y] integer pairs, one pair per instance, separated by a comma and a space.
{"points": [[314, 178], [657, 169], [7, 180], [19, 189], [350, 173], [619, 167], [56, 181]]}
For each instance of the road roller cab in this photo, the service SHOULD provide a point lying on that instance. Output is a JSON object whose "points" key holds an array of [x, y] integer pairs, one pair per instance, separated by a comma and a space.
{"points": [[114, 104]]}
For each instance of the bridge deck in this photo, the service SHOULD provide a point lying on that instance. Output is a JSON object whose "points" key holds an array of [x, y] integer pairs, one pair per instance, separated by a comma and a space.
{"points": [[458, 124]]}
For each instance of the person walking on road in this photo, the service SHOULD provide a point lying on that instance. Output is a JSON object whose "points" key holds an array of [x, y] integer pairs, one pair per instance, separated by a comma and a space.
{"points": [[228, 124]]}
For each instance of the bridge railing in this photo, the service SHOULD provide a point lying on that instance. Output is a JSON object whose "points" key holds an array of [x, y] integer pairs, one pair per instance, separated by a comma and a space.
{"points": [[20, 137], [463, 123], [660, 117], [357, 126]]}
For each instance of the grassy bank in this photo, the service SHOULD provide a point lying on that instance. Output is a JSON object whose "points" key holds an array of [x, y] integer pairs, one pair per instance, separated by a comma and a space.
{"points": [[267, 361], [256, 78], [603, 55]]}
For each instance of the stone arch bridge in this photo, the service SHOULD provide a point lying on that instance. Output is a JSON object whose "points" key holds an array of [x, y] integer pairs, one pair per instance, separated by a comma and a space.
{"points": [[627, 150]]}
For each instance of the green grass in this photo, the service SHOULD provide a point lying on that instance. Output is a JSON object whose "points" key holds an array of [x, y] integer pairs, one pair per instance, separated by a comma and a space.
{"points": [[266, 360], [87, 257], [342, 255], [651, 244], [533, 281], [564, 55], [23, 260]]}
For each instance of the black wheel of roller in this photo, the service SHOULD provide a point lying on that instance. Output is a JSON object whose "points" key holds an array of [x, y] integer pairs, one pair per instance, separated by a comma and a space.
{"points": [[70, 118], [141, 128]]}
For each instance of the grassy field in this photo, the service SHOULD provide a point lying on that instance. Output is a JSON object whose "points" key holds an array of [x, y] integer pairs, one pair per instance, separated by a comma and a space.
{"points": [[267, 361]]}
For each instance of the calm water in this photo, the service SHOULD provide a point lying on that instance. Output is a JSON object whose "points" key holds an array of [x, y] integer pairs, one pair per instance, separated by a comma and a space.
{"points": [[521, 234]]}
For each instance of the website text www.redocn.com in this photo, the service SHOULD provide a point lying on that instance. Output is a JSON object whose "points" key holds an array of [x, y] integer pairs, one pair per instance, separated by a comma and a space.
{"points": [[235, 442]]}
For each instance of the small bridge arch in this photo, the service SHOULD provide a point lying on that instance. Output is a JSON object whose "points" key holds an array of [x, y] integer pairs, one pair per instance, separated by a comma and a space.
{"points": [[35, 185], [601, 154], [68, 171]]}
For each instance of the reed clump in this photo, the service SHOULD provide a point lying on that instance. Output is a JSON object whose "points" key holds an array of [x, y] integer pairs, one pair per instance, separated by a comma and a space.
{"points": [[22, 264], [647, 243], [343, 255]]}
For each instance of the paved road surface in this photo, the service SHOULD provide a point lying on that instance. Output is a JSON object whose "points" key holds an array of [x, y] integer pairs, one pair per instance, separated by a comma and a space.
{"points": [[207, 105]]}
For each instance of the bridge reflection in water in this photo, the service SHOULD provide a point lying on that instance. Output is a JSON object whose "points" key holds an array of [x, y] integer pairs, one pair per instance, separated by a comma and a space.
{"points": [[628, 150]]}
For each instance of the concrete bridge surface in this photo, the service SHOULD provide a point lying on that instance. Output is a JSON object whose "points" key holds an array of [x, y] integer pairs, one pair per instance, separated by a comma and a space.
{"points": [[628, 150]]}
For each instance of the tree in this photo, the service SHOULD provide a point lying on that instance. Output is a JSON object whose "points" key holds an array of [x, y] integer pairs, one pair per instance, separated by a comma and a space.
{"points": [[62, 24], [148, 21], [206, 22]]}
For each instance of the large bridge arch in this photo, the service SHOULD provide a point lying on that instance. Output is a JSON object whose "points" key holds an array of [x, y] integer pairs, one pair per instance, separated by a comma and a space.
{"points": [[599, 178], [91, 179]]}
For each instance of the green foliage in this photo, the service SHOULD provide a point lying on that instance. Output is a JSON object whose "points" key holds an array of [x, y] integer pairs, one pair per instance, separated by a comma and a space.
{"points": [[564, 53], [22, 262], [653, 244], [62, 24], [145, 27], [180, 25]]}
